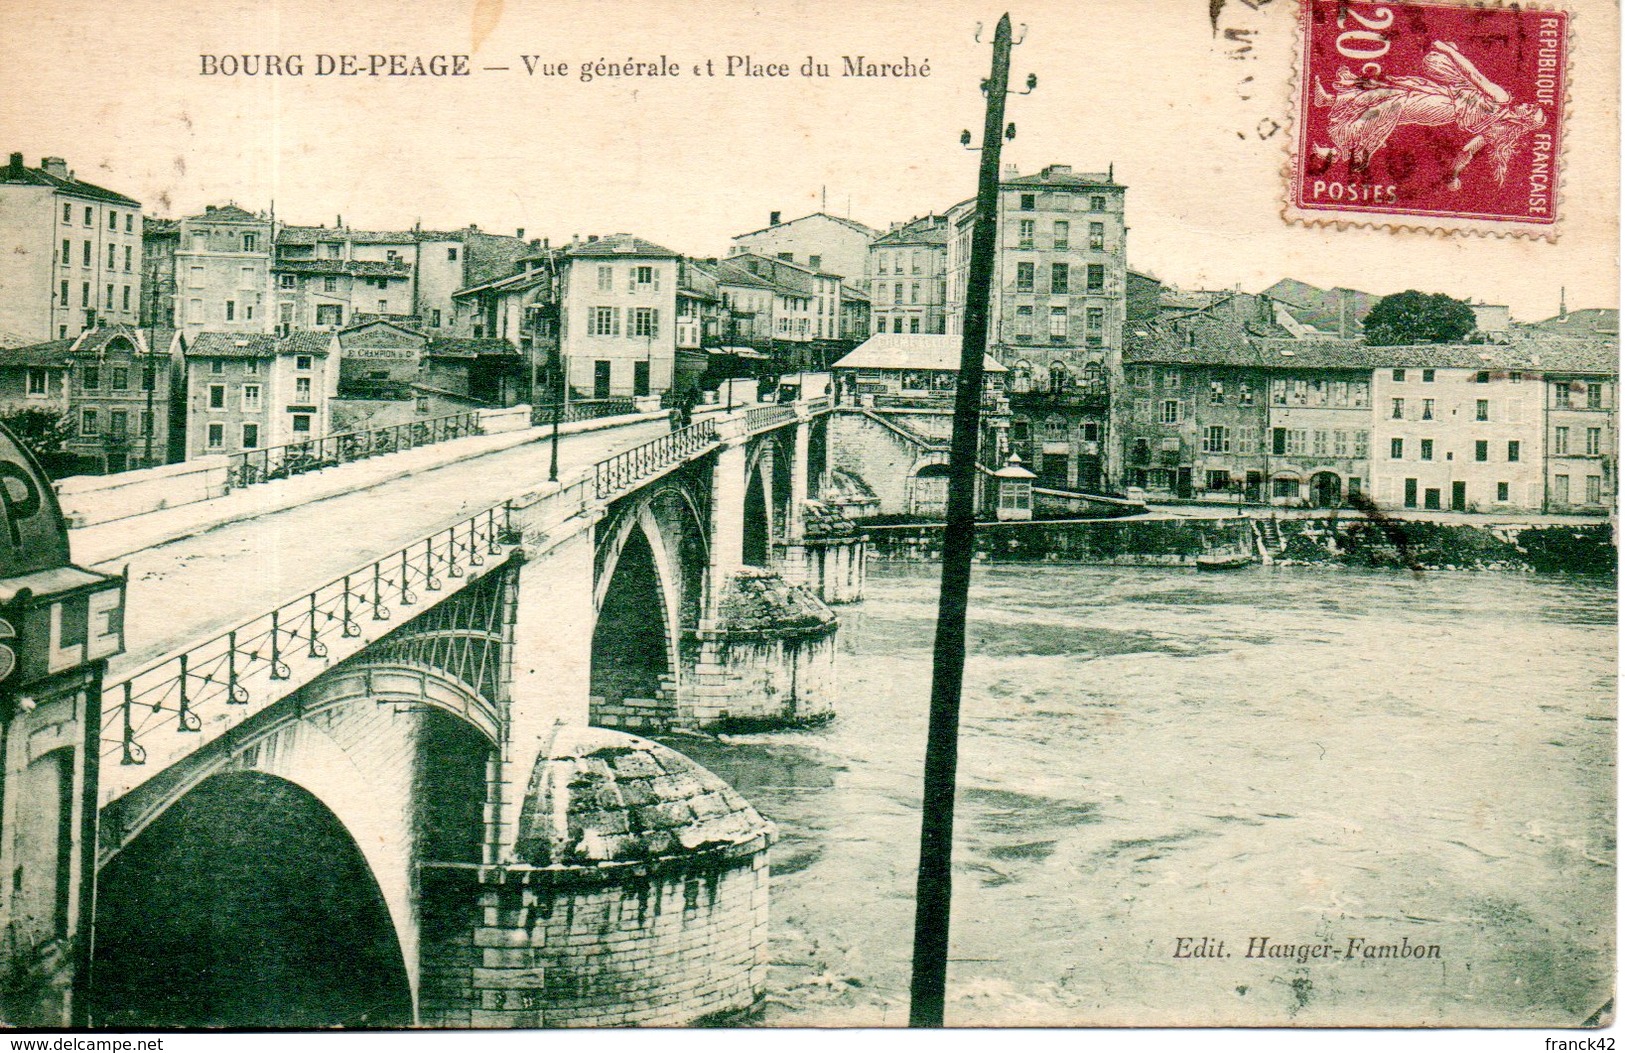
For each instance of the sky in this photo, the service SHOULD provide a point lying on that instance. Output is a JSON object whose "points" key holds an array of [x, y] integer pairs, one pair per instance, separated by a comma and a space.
{"points": [[1143, 86]]}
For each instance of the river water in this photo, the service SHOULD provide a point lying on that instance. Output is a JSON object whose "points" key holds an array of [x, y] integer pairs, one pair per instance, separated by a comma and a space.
{"points": [[1302, 755]]}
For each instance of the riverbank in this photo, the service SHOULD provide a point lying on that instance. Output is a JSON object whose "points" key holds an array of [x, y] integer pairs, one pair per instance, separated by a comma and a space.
{"points": [[1331, 539]]}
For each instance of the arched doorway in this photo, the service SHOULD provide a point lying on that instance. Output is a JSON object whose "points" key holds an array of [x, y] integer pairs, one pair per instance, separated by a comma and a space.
{"points": [[1325, 490], [930, 491], [246, 904], [629, 649]]}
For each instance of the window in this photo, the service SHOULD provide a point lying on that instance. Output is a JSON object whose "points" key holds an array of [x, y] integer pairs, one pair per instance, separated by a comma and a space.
{"points": [[86, 254], [1096, 318], [1399, 376], [1362, 443], [217, 366], [1396, 449], [1560, 394], [1097, 277], [1287, 487], [109, 299], [1483, 377], [1172, 378], [434, 318], [217, 396], [1244, 393], [1560, 442], [1097, 203], [89, 422], [897, 323], [1593, 489], [1024, 277], [118, 423], [606, 321], [1024, 322], [1560, 489], [913, 293], [120, 378], [330, 284], [1029, 202], [646, 276], [897, 290], [67, 252], [1340, 444], [90, 216], [329, 314], [1399, 409], [112, 257], [217, 436], [1215, 393], [1503, 491], [913, 325], [67, 213], [91, 379], [251, 436], [1097, 236], [1063, 235], [640, 378], [606, 278], [383, 308], [301, 423], [1320, 443], [1057, 323], [1427, 376], [251, 400], [1427, 449], [1593, 396], [301, 389], [335, 251], [1025, 233], [1481, 450], [1427, 409], [1170, 411], [1216, 439], [451, 254], [1059, 277], [1593, 442], [126, 298], [62, 297], [112, 219], [645, 322], [1483, 411], [38, 382], [302, 362], [1513, 450], [231, 310]]}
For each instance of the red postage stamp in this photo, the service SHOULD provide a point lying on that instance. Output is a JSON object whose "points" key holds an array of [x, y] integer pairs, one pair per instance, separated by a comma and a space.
{"points": [[1429, 115]]}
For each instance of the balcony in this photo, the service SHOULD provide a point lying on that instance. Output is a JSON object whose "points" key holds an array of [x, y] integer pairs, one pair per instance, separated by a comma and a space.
{"points": [[1091, 395]]}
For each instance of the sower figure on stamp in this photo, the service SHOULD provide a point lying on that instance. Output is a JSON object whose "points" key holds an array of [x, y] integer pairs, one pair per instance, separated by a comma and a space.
{"points": [[1367, 110]]}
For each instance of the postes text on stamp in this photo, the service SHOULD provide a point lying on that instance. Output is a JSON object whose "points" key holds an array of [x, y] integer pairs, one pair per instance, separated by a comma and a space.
{"points": [[1433, 115]]}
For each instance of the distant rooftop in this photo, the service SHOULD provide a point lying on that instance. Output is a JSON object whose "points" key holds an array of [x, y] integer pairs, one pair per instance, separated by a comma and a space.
{"points": [[933, 351]]}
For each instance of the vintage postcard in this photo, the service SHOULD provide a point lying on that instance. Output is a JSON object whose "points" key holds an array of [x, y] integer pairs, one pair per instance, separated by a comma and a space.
{"points": [[478, 478]]}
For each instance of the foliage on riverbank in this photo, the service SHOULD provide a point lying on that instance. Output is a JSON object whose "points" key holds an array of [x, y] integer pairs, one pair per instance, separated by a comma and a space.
{"points": [[1424, 545]]}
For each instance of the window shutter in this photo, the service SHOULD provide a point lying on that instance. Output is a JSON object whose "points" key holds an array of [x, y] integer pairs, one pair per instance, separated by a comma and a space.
{"points": [[657, 279], [654, 314], [615, 321]]}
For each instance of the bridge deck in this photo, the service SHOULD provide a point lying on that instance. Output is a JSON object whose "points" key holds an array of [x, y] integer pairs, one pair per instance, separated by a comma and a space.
{"points": [[187, 589]]}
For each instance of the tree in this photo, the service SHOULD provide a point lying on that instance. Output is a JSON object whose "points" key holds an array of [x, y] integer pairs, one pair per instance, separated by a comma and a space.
{"points": [[45, 434], [1413, 317]]}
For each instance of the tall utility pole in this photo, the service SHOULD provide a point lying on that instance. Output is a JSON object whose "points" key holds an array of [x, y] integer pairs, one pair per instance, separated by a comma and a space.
{"points": [[934, 887]]}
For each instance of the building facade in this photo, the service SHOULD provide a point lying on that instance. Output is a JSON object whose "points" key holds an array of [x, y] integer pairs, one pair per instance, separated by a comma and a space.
{"points": [[907, 276], [821, 242], [251, 391], [222, 268], [618, 317], [70, 254]]}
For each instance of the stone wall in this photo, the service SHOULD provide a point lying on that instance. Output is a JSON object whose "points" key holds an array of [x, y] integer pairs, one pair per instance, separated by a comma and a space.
{"points": [[1124, 541], [90, 499], [571, 949]]}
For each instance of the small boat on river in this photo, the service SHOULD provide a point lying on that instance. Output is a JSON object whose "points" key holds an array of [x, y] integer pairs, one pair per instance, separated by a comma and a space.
{"points": [[1216, 561]]}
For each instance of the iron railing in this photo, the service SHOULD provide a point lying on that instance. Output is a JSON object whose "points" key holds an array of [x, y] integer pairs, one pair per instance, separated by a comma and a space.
{"points": [[226, 669], [821, 404], [584, 409], [296, 458], [629, 467], [761, 418]]}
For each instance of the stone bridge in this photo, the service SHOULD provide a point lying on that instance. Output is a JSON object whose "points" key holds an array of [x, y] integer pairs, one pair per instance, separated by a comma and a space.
{"points": [[357, 763]]}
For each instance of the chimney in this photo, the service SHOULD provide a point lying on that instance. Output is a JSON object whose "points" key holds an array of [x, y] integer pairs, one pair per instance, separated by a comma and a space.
{"points": [[1562, 301], [773, 219], [1344, 310], [338, 222], [208, 208], [545, 244], [520, 233], [591, 238], [1010, 170], [16, 166], [55, 166]]}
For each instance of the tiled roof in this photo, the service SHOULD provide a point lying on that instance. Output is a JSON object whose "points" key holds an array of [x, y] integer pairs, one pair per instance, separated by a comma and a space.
{"points": [[258, 345], [910, 351], [52, 353], [24, 176], [852, 224], [354, 268], [1527, 352], [1050, 177], [849, 292], [227, 214], [927, 230], [1585, 321], [470, 346], [93, 340], [511, 283], [732, 274], [292, 235], [620, 245], [153, 227]]}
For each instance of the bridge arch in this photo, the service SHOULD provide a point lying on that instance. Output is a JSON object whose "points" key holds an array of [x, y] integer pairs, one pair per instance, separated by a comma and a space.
{"points": [[760, 503], [248, 903], [649, 586]]}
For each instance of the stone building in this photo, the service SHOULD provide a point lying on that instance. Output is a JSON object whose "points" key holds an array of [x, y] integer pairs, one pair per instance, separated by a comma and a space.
{"points": [[70, 253], [618, 318], [160, 240], [252, 391], [222, 272], [820, 242], [806, 319], [1056, 313], [907, 276], [1581, 429]]}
